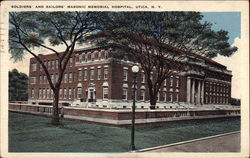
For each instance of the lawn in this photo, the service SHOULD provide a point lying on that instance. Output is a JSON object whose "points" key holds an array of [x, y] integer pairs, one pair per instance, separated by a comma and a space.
{"points": [[29, 133]]}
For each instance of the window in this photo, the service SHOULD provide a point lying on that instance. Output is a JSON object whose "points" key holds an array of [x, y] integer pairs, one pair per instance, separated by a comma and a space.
{"points": [[70, 77], [100, 55], [158, 97], [165, 96], [177, 97], [48, 93], [124, 93], [41, 79], [142, 77], [89, 56], [51, 93], [56, 77], [79, 75], [40, 66], [33, 67], [70, 93], [142, 95], [83, 58], [99, 75], [165, 82], [92, 56], [125, 74], [171, 97], [70, 61], [170, 89], [106, 55], [49, 65], [65, 93], [44, 93], [73, 93], [40, 93], [79, 92], [52, 78], [60, 93], [57, 63], [92, 74], [65, 78], [44, 79], [177, 81], [171, 81], [52, 64], [33, 80], [85, 74], [105, 73], [105, 92], [80, 58], [32, 93]]}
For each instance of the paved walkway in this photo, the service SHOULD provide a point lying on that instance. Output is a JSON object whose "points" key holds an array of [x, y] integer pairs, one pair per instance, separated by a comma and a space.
{"points": [[229, 142]]}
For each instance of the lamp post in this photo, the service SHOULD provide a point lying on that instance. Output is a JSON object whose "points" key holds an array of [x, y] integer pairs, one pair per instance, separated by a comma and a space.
{"points": [[135, 70]]}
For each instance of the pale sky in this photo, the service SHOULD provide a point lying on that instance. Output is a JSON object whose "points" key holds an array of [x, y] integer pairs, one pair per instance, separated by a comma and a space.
{"points": [[229, 21]]}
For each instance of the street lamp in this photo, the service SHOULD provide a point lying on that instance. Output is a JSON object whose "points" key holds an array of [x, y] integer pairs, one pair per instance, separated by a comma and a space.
{"points": [[135, 70]]}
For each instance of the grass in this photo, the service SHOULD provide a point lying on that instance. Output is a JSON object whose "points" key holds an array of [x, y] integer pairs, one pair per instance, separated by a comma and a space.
{"points": [[29, 133]]}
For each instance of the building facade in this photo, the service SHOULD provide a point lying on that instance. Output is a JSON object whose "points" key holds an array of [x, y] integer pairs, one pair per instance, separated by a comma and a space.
{"points": [[93, 78]]}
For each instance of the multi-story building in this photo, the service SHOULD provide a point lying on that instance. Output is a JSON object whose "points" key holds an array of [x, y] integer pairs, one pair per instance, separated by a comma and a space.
{"points": [[94, 78]]}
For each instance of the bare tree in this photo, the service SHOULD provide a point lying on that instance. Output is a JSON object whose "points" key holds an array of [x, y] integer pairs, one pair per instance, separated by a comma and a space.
{"points": [[29, 30]]}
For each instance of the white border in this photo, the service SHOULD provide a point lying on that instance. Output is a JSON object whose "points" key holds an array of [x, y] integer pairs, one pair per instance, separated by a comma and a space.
{"points": [[211, 6]]}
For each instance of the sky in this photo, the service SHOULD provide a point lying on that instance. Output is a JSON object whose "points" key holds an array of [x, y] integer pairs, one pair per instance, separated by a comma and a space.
{"points": [[229, 21]]}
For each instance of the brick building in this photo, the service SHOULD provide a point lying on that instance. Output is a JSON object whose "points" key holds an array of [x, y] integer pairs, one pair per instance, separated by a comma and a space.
{"points": [[95, 79]]}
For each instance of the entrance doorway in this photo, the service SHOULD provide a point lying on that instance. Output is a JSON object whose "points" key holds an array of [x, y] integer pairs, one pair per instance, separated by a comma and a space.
{"points": [[91, 95]]}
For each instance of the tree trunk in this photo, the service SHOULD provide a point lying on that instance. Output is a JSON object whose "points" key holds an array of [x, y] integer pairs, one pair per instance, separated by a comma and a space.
{"points": [[152, 97], [55, 116], [152, 103]]}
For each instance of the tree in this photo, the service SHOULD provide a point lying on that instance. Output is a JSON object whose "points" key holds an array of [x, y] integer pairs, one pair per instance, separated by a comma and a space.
{"points": [[18, 86], [29, 30], [183, 30], [155, 40]]}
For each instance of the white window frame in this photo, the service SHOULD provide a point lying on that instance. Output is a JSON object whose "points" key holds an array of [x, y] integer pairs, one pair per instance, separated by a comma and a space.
{"points": [[40, 95], [79, 75], [125, 94], [60, 93], [79, 92], [70, 61], [70, 93], [105, 72], [66, 78], [99, 73], [32, 93], [105, 95], [142, 77], [44, 93], [92, 74], [171, 97], [48, 93], [85, 74], [125, 74], [65, 93], [171, 81], [70, 77], [142, 95]]}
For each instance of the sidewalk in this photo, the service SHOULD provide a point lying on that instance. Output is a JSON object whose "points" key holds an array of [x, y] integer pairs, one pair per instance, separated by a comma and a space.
{"points": [[229, 142]]}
